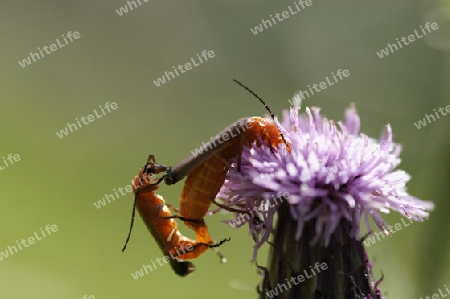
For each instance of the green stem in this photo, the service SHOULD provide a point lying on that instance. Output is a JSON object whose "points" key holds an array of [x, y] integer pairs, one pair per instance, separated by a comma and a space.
{"points": [[303, 271]]}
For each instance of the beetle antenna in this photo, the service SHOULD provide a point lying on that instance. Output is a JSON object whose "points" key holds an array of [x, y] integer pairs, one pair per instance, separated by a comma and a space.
{"points": [[262, 102], [150, 159], [133, 213]]}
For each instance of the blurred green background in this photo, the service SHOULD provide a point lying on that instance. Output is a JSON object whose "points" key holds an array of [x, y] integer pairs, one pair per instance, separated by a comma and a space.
{"points": [[118, 57]]}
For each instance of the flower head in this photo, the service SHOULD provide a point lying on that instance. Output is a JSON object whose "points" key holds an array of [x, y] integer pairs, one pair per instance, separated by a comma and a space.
{"points": [[332, 173]]}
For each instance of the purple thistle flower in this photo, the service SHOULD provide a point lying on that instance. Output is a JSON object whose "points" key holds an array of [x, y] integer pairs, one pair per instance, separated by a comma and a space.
{"points": [[333, 177]]}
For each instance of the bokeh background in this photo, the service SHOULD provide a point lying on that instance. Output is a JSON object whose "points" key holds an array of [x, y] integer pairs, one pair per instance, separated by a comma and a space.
{"points": [[116, 60]]}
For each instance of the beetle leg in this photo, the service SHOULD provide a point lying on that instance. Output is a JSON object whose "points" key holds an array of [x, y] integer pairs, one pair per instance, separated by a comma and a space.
{"points": [[225, 207], [212, 245], [173, 208], [161, 206]]}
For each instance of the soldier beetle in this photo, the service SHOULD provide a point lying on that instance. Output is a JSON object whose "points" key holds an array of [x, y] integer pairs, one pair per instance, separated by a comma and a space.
{"points": [[206, 171], [161, 223]]}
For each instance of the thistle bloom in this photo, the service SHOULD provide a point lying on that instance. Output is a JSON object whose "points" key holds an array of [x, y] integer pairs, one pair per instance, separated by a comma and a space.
{"points": [[332, 178]]}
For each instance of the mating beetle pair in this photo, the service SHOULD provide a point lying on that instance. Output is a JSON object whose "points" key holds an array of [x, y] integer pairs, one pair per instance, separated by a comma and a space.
{"points": [[206, 174]]}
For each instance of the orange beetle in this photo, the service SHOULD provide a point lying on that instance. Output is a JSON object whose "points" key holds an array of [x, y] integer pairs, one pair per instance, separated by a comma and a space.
{"points": [[207, 170], [161, 223]]}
